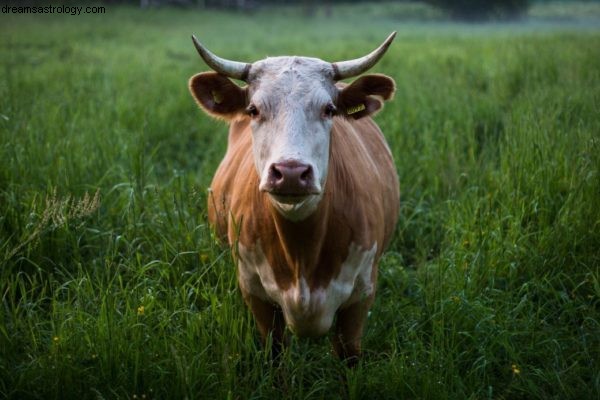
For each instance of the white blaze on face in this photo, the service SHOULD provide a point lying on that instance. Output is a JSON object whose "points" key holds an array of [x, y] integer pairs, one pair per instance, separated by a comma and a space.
{"points": [[290, 94]]}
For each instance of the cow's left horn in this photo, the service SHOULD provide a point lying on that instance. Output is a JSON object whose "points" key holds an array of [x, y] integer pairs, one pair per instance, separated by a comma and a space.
{"points": [[232, 69], [350, 68]]}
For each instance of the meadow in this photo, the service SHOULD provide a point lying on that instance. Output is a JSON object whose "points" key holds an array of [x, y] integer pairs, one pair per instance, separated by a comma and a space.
{"points": [[113, 286]]}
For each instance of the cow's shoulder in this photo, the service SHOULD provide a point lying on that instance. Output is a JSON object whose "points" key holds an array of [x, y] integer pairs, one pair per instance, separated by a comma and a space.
{"points": [[362, 182], [236, 166]]}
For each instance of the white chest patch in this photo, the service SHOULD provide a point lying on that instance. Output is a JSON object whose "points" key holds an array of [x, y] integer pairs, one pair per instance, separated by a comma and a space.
{"points": [[308, 312]]}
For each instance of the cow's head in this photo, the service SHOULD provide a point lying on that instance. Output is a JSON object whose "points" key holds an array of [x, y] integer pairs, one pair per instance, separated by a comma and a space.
{"points": [[292, 102]]}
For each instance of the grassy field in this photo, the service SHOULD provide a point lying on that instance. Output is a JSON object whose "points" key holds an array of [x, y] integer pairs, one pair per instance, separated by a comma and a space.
{"points": [[112, 286]]}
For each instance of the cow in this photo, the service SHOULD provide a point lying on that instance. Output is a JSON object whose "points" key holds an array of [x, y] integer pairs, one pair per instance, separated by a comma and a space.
{"points": [[307, 194]]}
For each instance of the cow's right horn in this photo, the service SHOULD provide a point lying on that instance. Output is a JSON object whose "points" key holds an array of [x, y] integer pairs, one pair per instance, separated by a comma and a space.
{"points": [[232, 69], [350, 68]]}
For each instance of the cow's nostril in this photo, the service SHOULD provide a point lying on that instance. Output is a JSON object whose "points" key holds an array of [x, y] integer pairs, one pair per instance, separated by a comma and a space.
{"points": [[306, 175], [275, 173]]}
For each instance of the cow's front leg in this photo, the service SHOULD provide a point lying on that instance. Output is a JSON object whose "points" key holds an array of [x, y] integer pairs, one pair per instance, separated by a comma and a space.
{"points": [[349, 329], [269, 320]]}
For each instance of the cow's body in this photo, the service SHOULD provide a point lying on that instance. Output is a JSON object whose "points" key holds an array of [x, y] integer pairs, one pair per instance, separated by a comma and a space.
{"points": [[313, 267], [307, 194]]}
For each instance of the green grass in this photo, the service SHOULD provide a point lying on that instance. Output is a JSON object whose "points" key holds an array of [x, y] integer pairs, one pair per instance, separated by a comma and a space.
{"points": [[495, 263]]}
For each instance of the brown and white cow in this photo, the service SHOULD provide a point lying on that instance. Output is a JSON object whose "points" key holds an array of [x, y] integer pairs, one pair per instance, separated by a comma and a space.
{"points": [[307, 193]]}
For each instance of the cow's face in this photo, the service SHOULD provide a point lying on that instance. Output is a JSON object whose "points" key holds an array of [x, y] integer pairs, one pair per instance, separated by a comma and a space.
{"points": [[291, 103]]}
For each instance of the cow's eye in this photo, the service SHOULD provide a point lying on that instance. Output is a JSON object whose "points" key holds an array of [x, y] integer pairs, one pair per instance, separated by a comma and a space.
{"points": [[252, 111], [329, 110]]}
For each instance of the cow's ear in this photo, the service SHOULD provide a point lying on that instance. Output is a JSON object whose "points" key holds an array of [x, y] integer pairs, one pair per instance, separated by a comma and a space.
{"points": [[365, 96], [217, 95]]}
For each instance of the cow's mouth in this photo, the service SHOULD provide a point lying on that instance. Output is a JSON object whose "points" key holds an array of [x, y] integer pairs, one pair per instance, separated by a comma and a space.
{"points": [[295, 206], [290, 198]]}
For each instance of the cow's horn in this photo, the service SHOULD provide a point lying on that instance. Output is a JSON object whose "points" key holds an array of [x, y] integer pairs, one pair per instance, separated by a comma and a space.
{"points": [[232, 69], [350, 68]]}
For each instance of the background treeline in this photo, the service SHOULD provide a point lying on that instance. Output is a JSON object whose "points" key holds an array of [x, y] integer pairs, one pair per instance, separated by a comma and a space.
{"points": [[477, 9], [456, 9]]}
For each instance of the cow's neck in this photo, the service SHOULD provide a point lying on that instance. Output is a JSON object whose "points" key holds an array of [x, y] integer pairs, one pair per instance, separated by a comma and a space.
{"points": [[295, 237]]}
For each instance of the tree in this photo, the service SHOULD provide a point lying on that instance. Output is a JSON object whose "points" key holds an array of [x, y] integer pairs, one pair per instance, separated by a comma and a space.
{"points": [[472, 10]]}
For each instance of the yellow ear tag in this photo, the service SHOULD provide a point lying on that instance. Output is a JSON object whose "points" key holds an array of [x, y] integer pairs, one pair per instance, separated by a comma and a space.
{"points": [[355, 109], [217, 97]]}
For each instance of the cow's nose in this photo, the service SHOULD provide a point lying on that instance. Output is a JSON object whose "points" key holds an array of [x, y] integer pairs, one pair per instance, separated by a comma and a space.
{"points": [[291, 178]]}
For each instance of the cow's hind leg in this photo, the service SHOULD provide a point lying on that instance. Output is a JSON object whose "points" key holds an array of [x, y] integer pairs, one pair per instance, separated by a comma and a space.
{"points": [[349, 329], [269, 320]]}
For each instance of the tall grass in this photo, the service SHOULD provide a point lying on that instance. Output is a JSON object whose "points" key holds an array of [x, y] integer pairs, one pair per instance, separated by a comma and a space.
{"points": [[490, 288]]}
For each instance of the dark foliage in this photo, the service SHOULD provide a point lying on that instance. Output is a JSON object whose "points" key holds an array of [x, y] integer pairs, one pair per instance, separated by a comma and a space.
{"points": [[480, 9]]}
